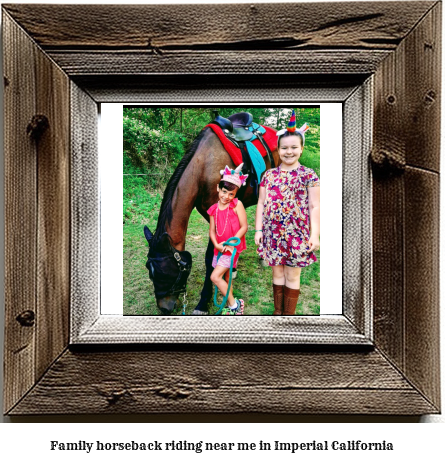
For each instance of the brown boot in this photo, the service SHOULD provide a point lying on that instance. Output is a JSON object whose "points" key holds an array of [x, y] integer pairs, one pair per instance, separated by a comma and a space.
{"points": [[278, 298], [290, 300]]}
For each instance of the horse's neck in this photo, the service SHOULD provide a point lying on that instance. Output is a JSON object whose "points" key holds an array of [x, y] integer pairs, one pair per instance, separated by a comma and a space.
{"points": [[192, 185], [183, 202], [182, 208]]}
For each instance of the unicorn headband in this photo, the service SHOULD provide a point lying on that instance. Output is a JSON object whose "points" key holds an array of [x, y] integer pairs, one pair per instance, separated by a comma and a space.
{"points": [[292, 127], [234, 176]]}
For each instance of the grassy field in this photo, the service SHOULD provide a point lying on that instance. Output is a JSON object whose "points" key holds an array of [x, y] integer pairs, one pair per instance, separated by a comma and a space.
{"points": [[253, 282]]}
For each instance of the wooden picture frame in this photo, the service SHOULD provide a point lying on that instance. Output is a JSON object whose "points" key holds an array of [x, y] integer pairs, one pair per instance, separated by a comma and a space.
{"points": [[381, 357]]}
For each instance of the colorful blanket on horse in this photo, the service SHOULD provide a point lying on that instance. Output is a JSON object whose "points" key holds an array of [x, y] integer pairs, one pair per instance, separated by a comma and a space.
{"points": [[235, 153]]}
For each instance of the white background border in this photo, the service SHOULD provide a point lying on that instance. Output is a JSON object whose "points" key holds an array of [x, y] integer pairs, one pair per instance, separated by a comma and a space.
{"points": [[110, 169]]}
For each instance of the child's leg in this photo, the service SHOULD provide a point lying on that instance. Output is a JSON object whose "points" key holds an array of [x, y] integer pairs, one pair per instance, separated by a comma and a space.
{"points": [[292, 277], [291, 289], [278, 281], [217, 278], [236, 306], [230, 298], [278, 276]]}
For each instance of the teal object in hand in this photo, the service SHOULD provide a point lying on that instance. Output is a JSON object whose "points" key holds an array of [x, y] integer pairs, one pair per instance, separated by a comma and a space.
{"points": [[233, 241]]}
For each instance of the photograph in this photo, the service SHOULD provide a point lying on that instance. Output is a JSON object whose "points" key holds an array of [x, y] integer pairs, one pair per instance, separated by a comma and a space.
{"points": [[229, 207]]}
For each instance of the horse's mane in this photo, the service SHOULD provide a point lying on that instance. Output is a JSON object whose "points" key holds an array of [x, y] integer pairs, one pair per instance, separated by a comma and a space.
{"points": [[166, 212]]}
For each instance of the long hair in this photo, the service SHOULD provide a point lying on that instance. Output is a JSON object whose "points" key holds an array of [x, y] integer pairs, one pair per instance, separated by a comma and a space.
{"points": [[166, 212]]}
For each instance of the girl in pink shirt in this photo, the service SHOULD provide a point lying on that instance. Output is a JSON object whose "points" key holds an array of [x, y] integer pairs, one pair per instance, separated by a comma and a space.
{"points": [[228, 219]]}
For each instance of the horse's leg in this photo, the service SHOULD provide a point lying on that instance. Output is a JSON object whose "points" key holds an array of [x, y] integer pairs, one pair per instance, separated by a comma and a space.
{"points": [[206, 294]]}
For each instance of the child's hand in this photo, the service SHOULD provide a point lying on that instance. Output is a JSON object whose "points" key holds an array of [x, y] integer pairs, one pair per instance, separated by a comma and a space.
{"points": [[258, 238], [228, 248], [220, 247], [314, 243]]}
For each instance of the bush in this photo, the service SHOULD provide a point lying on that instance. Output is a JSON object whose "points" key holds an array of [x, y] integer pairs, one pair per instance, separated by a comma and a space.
{"points": [[150, 152]]}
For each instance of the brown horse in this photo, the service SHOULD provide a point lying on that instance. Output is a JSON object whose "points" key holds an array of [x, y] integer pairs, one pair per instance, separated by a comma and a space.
{"points": [[193, 184]]}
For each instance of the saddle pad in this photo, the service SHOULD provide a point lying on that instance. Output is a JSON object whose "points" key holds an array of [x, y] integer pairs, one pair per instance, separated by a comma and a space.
{"points": [[235, 153]]}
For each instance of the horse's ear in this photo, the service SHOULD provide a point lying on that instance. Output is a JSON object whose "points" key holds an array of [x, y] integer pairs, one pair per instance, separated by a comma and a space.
{"points": [[148, 235]]}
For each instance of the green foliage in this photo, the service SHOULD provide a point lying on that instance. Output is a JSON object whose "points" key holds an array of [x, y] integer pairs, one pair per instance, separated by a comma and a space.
{"points": [[138, 204], [279, 117], [311, 153], [137, 201], [151, 148], [260, 115]]}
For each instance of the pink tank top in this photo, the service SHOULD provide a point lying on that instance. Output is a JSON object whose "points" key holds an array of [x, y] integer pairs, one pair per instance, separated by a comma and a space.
{"points": [[231, 228]]}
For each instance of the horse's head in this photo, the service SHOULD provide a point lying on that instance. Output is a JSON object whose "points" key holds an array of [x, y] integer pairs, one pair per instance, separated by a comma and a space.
{"points": [[169, 270]]}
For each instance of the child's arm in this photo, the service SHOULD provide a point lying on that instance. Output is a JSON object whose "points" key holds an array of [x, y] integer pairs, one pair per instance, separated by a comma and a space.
{"points": [[314, 215], [259, 216], [212, 234]]}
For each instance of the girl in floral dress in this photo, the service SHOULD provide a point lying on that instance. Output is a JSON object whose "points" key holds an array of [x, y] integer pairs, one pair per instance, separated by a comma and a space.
{"points": [[228, 219], [288, 218]]}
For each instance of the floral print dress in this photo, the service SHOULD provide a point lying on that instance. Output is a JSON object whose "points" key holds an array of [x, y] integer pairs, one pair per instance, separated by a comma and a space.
{"points": [[286, 224]]}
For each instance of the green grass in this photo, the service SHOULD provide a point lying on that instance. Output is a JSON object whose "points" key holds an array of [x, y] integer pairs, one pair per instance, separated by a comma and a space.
{"points": [[253, 283]]}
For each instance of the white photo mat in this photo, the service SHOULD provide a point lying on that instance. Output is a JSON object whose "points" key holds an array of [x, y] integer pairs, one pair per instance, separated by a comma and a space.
{"points": [[111, 201]]}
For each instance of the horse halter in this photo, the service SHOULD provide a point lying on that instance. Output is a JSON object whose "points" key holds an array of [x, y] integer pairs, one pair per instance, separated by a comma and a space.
{"points": [[159, 262]]}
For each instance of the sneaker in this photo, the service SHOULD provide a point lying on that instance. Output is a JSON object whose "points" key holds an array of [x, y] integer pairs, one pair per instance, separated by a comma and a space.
{"points": [[239, 310]]}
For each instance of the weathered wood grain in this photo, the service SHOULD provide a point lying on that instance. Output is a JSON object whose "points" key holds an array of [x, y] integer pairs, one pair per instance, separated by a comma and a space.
{"points": [[422, 281], [219, 88], [407, 132], [407, 115], [388, 268], [389, 158], [85, 211], [208, 62], [423, 48], [332, 329], [20, 213], [223, 382], [219, 26], [53, 227], [37, 189], [357, 209]]}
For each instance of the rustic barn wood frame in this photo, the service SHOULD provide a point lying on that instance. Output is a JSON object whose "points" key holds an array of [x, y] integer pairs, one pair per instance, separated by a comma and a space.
{"points": [[382, 356]]}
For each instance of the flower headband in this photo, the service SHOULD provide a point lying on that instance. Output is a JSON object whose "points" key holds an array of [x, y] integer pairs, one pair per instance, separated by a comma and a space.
{"points": [[234, 176], [292, 127]]}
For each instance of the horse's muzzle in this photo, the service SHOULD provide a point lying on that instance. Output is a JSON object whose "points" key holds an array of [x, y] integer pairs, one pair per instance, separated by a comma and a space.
{"points": [[168, 304]]}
